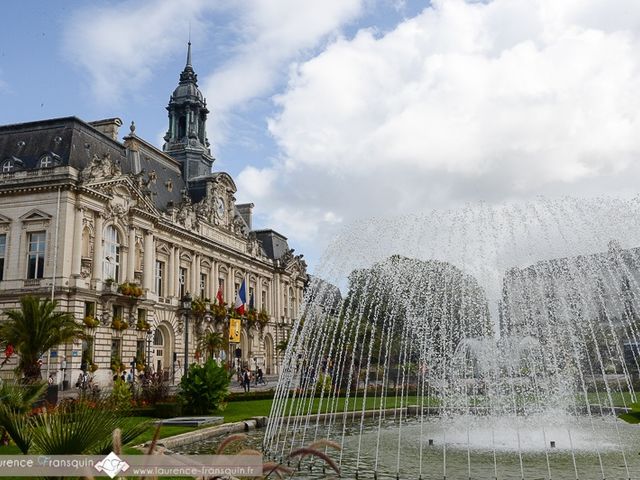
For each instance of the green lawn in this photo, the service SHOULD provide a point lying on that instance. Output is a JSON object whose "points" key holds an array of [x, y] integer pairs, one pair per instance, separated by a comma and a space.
{"points": [[242, 410]]}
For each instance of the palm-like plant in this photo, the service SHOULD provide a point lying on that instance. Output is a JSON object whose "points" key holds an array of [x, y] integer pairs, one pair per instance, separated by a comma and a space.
{"points": [[34, 329], [282, 345], [212, 343], [71, 428], [15, 402]]}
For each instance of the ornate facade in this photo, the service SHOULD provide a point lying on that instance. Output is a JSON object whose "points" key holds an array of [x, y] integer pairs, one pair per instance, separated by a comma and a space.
{"points": [[117, 232]]}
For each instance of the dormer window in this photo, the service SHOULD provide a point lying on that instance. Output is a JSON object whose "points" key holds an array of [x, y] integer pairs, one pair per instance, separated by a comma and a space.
{"points": [[11, 164], [46, 161], [8, 165]]}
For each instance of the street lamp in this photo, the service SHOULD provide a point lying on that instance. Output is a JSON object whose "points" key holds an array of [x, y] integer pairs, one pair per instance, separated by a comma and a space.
{"points": [[186, 307]]}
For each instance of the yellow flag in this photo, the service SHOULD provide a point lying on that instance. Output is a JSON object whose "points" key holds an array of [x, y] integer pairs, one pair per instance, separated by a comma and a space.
{"points": [[235, 324]]}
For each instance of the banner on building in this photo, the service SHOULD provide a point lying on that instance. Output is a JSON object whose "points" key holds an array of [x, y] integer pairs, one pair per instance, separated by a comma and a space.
{"points": [[235, 324]]}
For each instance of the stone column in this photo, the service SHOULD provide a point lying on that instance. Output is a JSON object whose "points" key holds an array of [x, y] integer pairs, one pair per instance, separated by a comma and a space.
{"points": [[277, 296], [98, 257], [171, 270], [213, 281], [193, 284], [148, 267], [231, 280], [76, 260], [176, 273], [131, 254]]}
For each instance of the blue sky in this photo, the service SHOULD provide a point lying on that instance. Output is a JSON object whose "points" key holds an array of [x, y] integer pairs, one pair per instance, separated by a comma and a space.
{"points": [[327, 112]]}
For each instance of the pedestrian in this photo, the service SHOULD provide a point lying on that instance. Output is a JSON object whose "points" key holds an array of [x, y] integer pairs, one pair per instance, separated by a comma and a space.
{"points": [[50, 380], [246, 377], [259, 376]]}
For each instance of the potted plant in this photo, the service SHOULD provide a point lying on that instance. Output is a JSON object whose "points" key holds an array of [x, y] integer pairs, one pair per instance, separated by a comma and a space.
{"points": [[219, 312], [93, 367], [110, 285], [143, 325], [118, 324], [90, 321], [262, 319], [130, 290]]}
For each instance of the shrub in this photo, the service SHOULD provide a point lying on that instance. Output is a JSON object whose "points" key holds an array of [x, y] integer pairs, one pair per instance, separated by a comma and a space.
{"points": [[153, 390], [253, 395], [168, 409], [120, 398], [323, 384], [204, 387]]}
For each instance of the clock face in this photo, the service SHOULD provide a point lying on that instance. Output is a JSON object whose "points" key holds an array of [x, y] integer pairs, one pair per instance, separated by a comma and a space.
{"points": [[219, 207]]}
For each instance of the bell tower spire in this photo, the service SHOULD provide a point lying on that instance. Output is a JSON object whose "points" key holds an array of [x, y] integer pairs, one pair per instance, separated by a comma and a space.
{"points": [[188, 65], [186, 139]]}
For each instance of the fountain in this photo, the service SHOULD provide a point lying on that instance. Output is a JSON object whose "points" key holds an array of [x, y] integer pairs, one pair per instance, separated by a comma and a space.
{"points": [[485, 342]]}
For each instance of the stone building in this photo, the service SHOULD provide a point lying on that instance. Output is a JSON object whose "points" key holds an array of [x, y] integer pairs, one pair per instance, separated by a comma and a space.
{"points": [[118, 232]]}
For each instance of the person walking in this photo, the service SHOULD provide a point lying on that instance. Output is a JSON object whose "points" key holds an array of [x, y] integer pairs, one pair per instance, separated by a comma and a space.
{"points": [[246, 380]]}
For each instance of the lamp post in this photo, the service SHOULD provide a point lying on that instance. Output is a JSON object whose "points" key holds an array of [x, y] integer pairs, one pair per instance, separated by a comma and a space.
{"points": [[186, 307]]}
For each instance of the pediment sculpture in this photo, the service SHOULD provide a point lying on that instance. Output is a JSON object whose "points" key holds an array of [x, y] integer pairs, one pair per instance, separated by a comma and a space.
{"points": [[100, 167]]}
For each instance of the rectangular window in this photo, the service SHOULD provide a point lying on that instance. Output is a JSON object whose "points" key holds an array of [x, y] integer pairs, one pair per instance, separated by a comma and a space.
{"points": [[115, 350], [203, 286], [89, 309], [3, 248], [235, 293], [251, 299], [140, 356], [35, 259], [285, 304], [263, 301], [160, 278], [117, 312], [87, 353], [182, 278]]}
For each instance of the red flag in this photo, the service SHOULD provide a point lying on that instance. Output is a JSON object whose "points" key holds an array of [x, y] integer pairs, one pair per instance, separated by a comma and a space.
{"points": [[219, 296]]}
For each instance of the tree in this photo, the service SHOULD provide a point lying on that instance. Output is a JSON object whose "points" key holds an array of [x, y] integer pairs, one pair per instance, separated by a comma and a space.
{"points": [[34, 329], [282, 345], [211, 343]]}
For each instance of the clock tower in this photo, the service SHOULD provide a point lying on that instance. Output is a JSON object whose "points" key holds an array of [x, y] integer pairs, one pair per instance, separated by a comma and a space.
{"points": [[186, 140]]}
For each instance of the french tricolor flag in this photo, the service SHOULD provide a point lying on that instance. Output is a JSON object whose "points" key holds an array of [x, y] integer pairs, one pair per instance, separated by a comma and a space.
{"points": [[241, 299]]}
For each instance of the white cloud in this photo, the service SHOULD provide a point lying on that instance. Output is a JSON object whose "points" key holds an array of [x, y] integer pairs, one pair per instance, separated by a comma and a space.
{"points": [[270, 35], [465, 101], [119, 46]]}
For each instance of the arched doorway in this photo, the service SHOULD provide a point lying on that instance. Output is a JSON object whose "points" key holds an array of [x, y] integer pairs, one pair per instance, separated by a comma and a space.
{"points": [[161, 356], [268, 354]]}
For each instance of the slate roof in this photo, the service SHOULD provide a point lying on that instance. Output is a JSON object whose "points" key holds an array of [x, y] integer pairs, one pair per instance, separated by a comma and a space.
{"points": [[274, 244], [74, 142]]}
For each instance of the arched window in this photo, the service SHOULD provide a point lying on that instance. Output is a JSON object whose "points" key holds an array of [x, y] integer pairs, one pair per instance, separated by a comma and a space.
{"points": [[8, 165], [182, 127], [46, 161], [86, 241], [158, 339], [11, 164], [111, 253]]}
